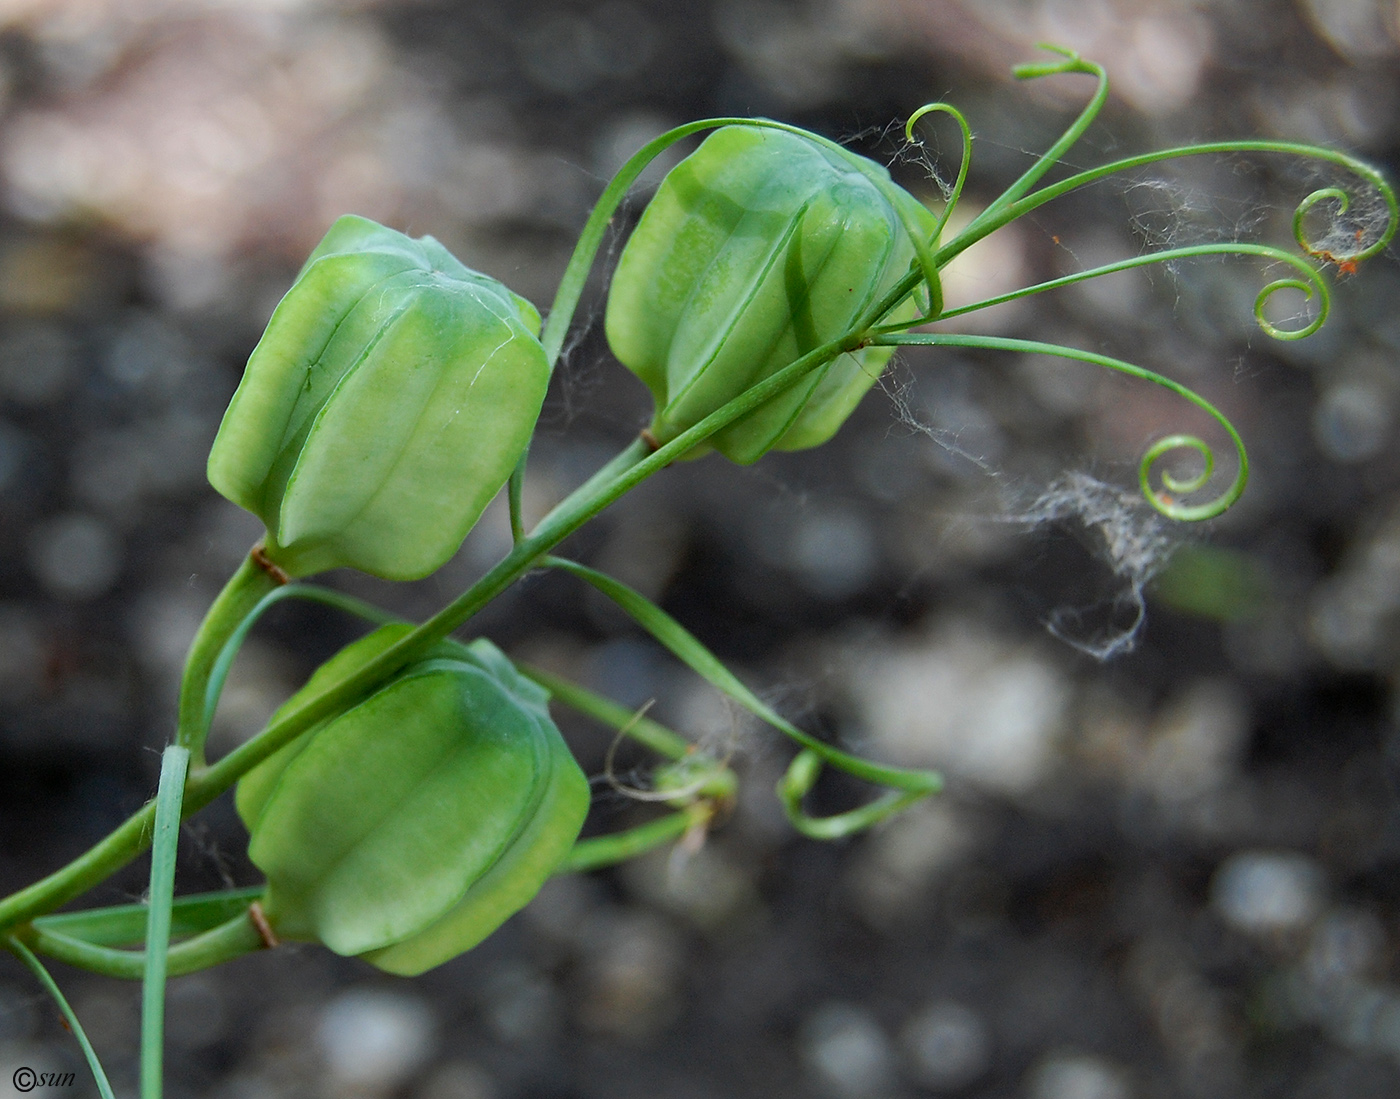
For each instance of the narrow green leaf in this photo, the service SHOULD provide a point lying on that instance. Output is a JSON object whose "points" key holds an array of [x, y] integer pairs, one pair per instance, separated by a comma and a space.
{"points": [[37, 967], [689, 650], [125, 924], [170, 795]]}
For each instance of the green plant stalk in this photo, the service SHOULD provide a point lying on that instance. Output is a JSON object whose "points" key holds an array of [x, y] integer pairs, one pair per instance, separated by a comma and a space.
{"points": [[219, 672], [170, 793], [638, 727], [232, 939], [1186, 512], [249, 584], [984, 226], [591, 854], [1310, 284], [801, 776], [25, 955], [686, 647], [628, 469]]}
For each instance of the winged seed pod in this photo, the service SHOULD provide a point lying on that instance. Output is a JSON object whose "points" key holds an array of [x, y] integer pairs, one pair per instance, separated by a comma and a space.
{"points": [[385, 405], [409, 827], [757, 248]]}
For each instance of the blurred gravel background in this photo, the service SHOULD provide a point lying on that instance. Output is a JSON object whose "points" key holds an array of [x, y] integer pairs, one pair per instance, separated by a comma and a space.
{"points": [[1172, 874]]}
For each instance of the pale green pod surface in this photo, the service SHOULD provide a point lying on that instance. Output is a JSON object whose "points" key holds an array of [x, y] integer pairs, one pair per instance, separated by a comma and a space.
{"points": [[254, 788], [757, 248], [388, 401], [409, 827]]}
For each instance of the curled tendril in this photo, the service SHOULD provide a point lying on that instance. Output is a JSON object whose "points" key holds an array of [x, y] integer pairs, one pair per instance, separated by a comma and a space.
{"points": [[1313, 285], [1335, 194], [1309, 282], [1164, 501], [797, 782], [928, 268], [1346, 261], [964, 164], [1173, 485], [1072, 62]]}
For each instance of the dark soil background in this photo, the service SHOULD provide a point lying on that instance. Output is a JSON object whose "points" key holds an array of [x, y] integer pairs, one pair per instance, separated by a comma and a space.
{"points": [[1168, 874]]}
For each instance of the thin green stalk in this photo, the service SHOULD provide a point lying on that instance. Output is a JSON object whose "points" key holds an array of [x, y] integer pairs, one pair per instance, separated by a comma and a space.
{"points": [[174, 765], [232, 939], [627, 470], [1023, 206], [1072, 63], [249, 583], [640, 728], [1182, 486], [687, 648], [591, 854], [1310, 284], [964, 164], [801, 776], [37, 968], [314, 593]]}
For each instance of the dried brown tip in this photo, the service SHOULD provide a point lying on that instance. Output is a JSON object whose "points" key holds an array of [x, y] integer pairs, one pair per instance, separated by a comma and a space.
{"points": [[268, 565], [259, 919]]}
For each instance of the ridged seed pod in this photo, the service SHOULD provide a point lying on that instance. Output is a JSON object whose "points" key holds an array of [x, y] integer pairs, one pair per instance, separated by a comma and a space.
{"points": [[409, 827], [757, 248], [385, 405]]}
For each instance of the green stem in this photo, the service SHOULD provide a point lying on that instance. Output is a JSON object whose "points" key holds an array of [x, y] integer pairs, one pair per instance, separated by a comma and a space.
{"points": [[801, 776], [1170, 508], [591, 854], [125, 924], [173, 767], [218, 675], [641, 728], [1072, 63], [232, 939], [687, 648], [627, 470], [242, 592]]}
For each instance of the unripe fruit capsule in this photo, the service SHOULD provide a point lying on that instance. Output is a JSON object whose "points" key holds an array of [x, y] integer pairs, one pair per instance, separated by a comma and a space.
{"points": [[757, 248], [386, 404], [409, 827]]}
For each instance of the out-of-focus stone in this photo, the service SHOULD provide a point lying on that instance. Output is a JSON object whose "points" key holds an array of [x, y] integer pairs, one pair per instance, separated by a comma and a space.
{"points": [[706, 885], [1077, 1076], [947, 1046], [905, 856], [1268, 892], [1346, 944], [1196, 742], [75, 556], [985, 710], [520, 1004], [632, 977], [459, 1080], [373, 1041], [847, 1052], [1352, 421]]}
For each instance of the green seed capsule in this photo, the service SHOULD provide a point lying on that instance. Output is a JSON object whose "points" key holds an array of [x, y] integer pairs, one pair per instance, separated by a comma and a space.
{"points": [[757, 248], [409, 827], [386, 404]]}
